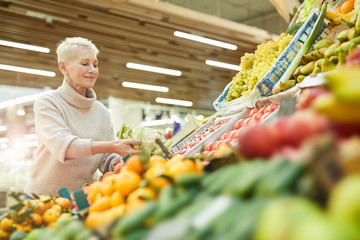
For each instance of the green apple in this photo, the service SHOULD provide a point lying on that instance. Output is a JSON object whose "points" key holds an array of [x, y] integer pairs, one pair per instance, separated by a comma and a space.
{"points": [[325, 228], [279, 218], [344, 200]]}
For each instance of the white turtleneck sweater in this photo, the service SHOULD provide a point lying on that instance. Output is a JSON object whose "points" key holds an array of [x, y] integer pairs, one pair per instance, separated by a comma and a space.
{"points": [[66, 123]]}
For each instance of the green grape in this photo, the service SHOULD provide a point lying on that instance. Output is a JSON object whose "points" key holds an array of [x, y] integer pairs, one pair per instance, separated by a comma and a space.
{"points": [[255, 65]]}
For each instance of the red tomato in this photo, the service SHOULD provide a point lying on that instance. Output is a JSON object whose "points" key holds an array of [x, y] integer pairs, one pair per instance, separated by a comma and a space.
{"points": [[262, 110], [265, 116], [257, 116], [252, 112], [249, 121], [274, 106], [239, 124], [227, 141]]}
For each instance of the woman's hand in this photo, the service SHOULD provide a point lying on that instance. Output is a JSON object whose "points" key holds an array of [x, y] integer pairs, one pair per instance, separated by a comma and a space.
{"points": [[124, 147], [121, 147]]}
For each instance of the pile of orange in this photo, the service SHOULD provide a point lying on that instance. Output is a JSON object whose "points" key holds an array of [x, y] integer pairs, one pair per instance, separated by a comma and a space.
{"points": [[137, 182], [34, 214]]}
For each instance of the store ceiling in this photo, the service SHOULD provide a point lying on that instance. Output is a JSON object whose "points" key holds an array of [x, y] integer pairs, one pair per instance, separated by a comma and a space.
{"points": [[139, 31]]}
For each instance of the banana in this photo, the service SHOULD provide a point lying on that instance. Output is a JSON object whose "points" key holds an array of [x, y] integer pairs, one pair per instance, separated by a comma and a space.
{"points": [[331, 15], [335, 110], [353, 44], [352, 33], [342, 36], [351, 22], [326, 65], [357, 23], [323, 43], [308, 68], [330, 51], [334, 59], [287, 84], [300, 78]]}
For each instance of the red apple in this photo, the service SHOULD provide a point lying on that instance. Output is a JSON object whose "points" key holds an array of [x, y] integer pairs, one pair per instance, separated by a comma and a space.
{"points": [[308, 95], [297, 130], [258, 141]]}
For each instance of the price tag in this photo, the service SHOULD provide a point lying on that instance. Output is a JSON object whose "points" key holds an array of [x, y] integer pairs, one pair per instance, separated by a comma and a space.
{"points": [[287, 106]]}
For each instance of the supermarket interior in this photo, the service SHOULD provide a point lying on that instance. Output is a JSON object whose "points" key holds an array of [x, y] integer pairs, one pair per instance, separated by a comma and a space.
{"points": [[179, 119]]}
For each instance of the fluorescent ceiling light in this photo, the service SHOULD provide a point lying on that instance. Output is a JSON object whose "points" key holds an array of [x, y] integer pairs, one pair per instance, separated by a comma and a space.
{"points": [[20, 112], [19, 100], [223, 65], [205, 40], [145, 86], [27, 70], [153, 69], [174, 101], [156, 122], [24, 46]]}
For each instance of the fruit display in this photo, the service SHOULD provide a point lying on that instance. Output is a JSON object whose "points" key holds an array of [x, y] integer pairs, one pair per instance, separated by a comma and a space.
{"points": [[255, 65], [289, 169], [202, 135], [255, 116], [30, 214], [138, 181]]}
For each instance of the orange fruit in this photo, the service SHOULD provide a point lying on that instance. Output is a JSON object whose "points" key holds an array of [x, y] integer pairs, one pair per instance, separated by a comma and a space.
{"points": [[153, 175], [4, 234], [6, 224], [94, 189], [135, 205], [100, 204], [347, 6], [156, 160], [50, 216], [116, 199], [36, 219], [23, 227], [127, 181], [181, 167], [57, 208], [63, 202], [134, 164], [93, 220], [141, 194]]}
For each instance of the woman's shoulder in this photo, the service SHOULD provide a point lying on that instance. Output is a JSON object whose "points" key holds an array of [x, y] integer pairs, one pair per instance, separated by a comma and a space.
{"points": [[46, 97]]}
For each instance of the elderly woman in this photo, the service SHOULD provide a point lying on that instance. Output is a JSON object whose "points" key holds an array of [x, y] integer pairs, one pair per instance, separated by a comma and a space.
{"points": [[74, 130]]}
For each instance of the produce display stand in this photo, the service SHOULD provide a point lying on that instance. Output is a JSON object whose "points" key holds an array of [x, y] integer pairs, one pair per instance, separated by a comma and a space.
{"points": [[306, 187]]}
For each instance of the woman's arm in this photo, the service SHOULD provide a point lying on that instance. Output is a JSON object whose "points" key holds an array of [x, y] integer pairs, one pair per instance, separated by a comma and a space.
{"points": [[121, 147]]}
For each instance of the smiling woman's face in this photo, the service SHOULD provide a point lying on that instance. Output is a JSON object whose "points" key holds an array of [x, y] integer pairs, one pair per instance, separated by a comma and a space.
{"points": [[82, 70]]}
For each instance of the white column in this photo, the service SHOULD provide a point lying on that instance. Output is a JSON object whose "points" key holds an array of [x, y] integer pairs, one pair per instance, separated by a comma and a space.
{"points": [[125, 111]]}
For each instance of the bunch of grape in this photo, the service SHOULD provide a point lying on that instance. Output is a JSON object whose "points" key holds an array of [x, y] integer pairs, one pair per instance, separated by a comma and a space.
{"points": [[255, 65]]}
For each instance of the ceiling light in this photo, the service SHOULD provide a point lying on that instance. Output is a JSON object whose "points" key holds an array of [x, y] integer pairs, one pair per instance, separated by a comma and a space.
{"points": [[205, 40], [153, 69], [3, 128], [20, 112], [174, 101], [156, 122], [19, 100], [27, 70], [223, 65], [24, 46], [145, 86]]}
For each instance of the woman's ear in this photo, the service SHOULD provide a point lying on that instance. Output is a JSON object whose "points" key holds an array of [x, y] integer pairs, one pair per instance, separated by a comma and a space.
{"points": [[62, 67]]}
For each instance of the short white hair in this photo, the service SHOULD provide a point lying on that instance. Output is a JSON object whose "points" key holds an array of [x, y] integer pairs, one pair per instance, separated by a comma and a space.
{"points": [[70, 45]]}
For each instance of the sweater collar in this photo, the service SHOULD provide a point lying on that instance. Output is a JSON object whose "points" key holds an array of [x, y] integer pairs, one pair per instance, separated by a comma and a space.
{"points": [[74, 98]]}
